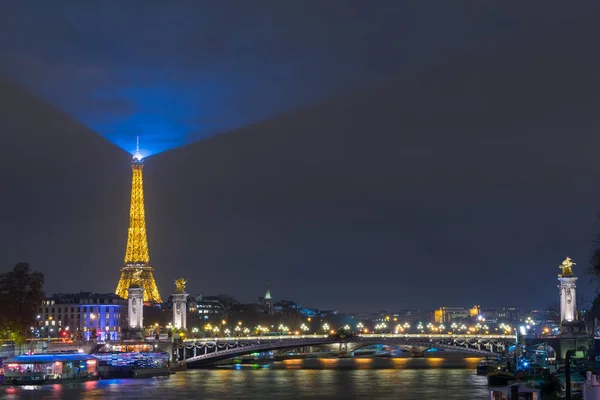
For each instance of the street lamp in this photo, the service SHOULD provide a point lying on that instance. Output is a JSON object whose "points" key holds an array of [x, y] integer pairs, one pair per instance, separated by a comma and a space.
{"points": [[94, 324], [523, 331]]}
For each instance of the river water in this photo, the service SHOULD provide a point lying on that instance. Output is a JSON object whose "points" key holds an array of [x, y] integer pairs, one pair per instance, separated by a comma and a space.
{"points": [[433, 378]]}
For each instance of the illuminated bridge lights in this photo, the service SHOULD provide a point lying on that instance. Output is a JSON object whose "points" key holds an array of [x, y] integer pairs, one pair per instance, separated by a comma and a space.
{"points": [[364, 336]]}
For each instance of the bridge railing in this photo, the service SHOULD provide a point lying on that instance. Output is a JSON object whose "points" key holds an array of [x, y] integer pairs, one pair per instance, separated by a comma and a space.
{"points": [[365, 336]]}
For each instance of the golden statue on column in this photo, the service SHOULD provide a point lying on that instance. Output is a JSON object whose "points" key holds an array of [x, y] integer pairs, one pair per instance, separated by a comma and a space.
{"points": [[566, 267], [180, 285]]}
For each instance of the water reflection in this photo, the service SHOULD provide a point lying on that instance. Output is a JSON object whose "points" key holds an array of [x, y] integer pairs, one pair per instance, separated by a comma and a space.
{"points": [[430, 378], [376, 363]]}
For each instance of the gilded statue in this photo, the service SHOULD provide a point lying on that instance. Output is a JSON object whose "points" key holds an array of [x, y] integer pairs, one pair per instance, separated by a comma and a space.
{"points": [[180, 285], [566, 267], [136, 278]]}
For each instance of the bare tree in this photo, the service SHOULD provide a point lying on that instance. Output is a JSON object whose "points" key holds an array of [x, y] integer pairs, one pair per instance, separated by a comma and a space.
{"points": [[21, 294]]}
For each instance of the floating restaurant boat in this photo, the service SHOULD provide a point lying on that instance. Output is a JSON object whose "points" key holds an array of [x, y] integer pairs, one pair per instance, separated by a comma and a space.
{"points": [[44, 368], [133, 364]]}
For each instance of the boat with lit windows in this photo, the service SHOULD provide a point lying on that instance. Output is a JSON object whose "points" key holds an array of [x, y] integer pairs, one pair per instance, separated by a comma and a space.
{"points": [[43, 368], [133, 364]]}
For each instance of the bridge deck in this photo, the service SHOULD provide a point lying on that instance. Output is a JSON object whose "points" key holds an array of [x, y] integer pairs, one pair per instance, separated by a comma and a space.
{"points": [[364, 336], [212, 349]]}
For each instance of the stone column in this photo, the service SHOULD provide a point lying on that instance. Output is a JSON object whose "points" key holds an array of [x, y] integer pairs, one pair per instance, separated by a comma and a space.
{"points": [[136, 308], [180, 310], [568, 305]]}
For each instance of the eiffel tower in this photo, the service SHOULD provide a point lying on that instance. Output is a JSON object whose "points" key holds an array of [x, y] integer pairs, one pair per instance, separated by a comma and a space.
{"points": [[137, 257]]}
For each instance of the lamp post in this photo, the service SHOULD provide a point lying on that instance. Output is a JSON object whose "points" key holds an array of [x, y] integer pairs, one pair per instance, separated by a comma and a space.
{"points": [[93, 324], [568, 355], [523, 331], [516, 349]]}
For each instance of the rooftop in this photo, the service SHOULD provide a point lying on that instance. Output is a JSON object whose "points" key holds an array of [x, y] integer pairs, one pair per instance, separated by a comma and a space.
{"points": [[45, 358]]}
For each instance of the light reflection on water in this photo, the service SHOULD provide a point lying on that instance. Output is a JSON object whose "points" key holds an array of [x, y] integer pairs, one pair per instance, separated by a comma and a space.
{"points": [[394, 378]]}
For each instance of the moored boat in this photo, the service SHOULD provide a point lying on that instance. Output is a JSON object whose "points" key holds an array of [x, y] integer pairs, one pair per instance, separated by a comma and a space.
{"points": [[133, 364], [500, 378], [488, 366], [44, 368]]}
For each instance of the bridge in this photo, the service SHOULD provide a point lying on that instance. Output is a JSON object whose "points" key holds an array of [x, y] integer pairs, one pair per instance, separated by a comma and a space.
{"points": [[210, 350]]}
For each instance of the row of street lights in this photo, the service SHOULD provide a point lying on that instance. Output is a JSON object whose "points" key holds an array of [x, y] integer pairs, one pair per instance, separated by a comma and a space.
{"points": [[382, 327]]}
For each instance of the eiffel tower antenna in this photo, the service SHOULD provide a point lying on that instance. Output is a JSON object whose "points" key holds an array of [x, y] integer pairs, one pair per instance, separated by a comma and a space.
{"points": [[137, 154]]}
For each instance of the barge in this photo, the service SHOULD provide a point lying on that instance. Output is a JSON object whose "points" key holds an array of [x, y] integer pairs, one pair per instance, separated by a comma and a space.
{"points": [[132, 364], [46, 368]]}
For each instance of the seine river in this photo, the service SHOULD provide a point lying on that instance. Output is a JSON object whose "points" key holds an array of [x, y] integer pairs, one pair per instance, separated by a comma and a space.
{"points": [[398, 378]]}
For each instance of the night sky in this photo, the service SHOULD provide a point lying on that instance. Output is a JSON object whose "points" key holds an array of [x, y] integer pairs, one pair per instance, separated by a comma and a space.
{"points": [[361, 156]]}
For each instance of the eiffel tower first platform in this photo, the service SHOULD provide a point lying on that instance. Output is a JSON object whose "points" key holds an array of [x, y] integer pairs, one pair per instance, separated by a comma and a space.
{"points": [[137, 257]]}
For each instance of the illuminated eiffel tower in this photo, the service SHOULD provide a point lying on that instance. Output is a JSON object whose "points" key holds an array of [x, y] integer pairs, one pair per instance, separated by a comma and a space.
{"points": [[137, 257]]}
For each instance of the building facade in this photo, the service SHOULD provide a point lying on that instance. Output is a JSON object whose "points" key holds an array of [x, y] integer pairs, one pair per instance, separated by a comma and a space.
{"points": [[208, 306], [267, 301], [447, 315], [500, 314], [82, 315]]}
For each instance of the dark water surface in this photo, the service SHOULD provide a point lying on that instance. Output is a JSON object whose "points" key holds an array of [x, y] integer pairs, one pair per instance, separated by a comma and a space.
{"points": [[334, 379]]}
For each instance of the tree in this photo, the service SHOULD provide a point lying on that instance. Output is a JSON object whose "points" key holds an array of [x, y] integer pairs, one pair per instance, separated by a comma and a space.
{"points": [[21, 294], [594, 268], [553, 313], [13, 332], [594, 271], [290, 317]]}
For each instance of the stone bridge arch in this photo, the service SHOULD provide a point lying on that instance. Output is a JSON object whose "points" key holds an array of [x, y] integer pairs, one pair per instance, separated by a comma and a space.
{"points": [[201, 352]]}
